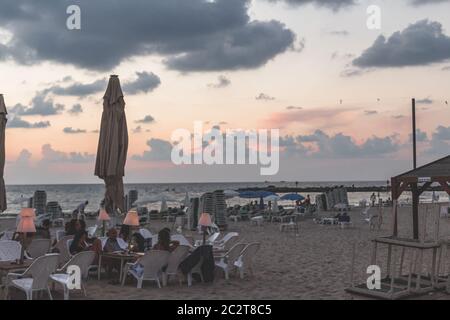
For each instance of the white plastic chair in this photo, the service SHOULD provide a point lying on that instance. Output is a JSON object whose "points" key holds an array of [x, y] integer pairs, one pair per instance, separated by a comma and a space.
{"points": [[181, 239], [197, 269], [227, 241], [7, 235], [226, 262], [63, 249], [175, 258], [213, 237], [59, 234], [10, 250], [38, 247], [91, 231], [35, 278], [245, 261], [145, 233], [152, 263], [84, 261]]}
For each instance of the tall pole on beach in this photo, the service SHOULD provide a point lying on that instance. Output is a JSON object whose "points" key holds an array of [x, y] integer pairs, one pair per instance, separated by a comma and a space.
{"points": [[414, 132], [414, 189]]}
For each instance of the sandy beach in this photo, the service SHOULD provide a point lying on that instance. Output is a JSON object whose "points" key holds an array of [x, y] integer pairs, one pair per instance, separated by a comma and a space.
{"points": [[313, 264]]}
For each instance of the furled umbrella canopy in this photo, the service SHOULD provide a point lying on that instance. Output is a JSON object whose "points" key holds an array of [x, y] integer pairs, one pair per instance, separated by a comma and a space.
{"points": [[113, 146], [3, 120]]}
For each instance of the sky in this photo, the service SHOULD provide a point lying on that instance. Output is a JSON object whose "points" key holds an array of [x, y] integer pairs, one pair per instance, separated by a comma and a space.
{"points": [[338, 91]]}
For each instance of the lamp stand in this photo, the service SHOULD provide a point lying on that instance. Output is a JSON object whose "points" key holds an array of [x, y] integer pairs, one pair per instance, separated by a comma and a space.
{"points": [[204, 235], [22, 250]]}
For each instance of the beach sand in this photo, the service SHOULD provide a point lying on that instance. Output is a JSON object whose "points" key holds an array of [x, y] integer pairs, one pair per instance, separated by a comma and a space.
{"points": [[313, 264]]}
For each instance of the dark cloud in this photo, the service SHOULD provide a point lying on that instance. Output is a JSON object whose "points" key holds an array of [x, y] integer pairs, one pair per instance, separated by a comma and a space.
{"points": [[138, 129], [398, 116], [343, 146], [447, 68], [440, 142], [160, 150], [421, 136], [335, 5], [352, 72], [40, 105], [424, 101], [222, 82], [370, 112], [79, 89], [191, 34], [424, 2], [17, 122], [146, 119], [293, 108], [342, 33], [243, 48], [263, 96], [76, 109], [50, 155], [421, 43], [71, 130], [145, 82]]}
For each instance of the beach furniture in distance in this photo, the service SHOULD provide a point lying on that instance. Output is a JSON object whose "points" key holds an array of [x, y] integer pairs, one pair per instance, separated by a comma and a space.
{"points": [[227, 260], [35, 277], [147, 268], [84, 261], [245, 261]]}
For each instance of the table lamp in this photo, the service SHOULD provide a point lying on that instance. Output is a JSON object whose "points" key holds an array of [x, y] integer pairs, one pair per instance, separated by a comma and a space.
{"points": [[26, 225], [103, 217], [132, 220], [204, 222]]}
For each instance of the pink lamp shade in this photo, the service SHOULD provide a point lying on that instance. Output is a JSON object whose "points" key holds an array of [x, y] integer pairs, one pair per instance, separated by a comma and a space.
{"points": [[132, 219], [205, 220], [26, 224], [27, 213], [103, 215]]}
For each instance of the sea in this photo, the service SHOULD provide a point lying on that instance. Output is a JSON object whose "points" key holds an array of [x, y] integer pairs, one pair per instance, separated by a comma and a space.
{"points": [[69, 196]]}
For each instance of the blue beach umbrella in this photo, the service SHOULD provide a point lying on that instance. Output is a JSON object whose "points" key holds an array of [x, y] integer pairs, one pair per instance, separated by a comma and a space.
{"points": [[293, 197]]}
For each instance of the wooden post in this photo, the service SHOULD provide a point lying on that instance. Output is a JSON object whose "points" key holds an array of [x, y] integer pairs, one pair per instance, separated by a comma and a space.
{"points": [[414, 132], [415, 209]]}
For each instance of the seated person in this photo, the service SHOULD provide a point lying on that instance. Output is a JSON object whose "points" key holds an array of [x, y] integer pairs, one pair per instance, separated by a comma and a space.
{"points": [[344, 218], [43, 232], [137, 243], [164, 242], [112, 243], [79, 243]]}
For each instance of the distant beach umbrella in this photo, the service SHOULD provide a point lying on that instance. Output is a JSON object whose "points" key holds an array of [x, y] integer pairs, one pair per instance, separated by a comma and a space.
{"points": [[113, 146], [230, 194], [293, 197], [3, 121], [255, 194], [272, 197]]}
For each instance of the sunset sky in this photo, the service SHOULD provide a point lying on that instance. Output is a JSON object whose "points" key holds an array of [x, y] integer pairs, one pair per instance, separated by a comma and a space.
{"points": [[339, 92]]}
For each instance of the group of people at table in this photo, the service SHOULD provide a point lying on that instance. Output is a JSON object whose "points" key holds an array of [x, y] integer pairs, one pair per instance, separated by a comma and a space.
{"points": [[115, 241]]}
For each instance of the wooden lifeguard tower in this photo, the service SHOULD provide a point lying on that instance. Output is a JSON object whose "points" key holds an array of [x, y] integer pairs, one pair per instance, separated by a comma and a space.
{"points": [[413, 261]]}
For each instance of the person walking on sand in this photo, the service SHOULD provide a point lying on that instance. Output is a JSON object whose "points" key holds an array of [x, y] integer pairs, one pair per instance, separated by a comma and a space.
{"points": [[373, 198], [80, 209]]}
